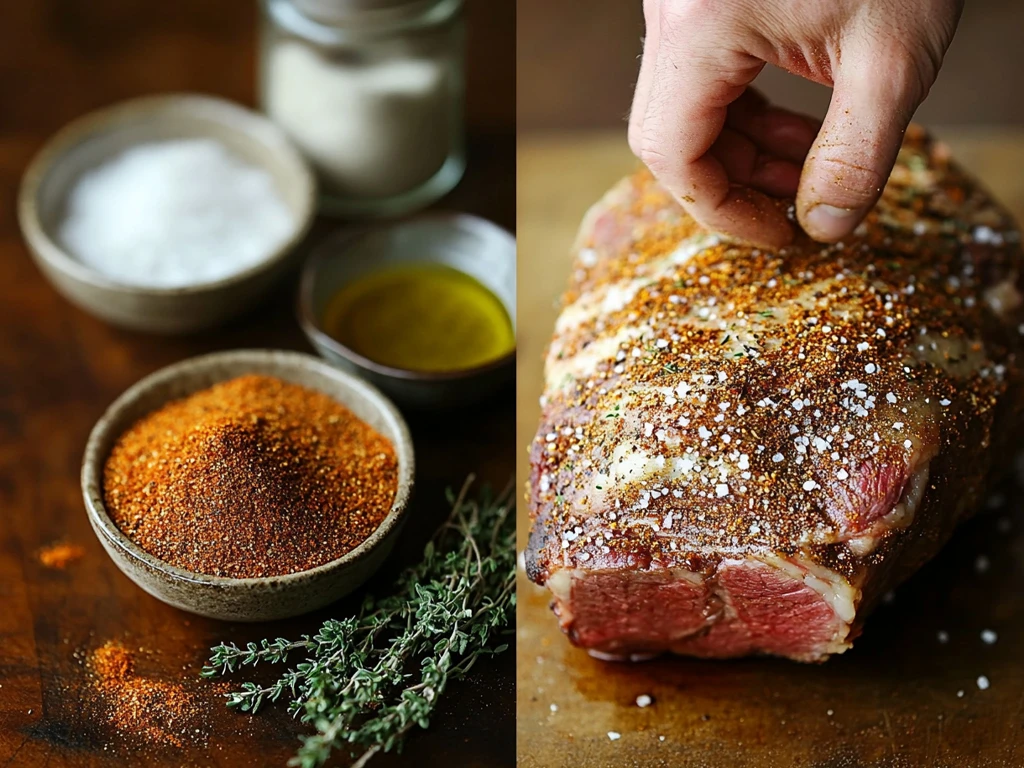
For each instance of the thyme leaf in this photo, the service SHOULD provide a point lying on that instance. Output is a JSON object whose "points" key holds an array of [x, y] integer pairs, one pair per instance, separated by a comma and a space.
{"points": [[367, 680]]}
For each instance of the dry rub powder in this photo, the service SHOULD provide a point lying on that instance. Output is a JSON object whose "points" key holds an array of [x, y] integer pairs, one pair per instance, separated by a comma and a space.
{"points": [[138, 706], [251, 477]]}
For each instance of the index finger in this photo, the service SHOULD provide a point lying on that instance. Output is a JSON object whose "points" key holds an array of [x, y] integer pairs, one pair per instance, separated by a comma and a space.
{"points": [[689, 81]]}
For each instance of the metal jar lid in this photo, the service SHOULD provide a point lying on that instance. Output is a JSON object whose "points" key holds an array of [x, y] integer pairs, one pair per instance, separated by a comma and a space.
{"points": [[347, 11]]}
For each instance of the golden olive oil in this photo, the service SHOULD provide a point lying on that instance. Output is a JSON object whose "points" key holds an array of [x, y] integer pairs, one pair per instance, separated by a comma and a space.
{"points": [[422, 317]]}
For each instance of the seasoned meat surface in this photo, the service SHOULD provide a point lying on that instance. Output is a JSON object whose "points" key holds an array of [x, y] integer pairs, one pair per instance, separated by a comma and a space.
{"points": [[741, 450]]}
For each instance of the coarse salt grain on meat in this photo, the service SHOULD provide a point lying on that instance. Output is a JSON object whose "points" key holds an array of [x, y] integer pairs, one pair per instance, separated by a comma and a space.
{"points": [[872, 388]]}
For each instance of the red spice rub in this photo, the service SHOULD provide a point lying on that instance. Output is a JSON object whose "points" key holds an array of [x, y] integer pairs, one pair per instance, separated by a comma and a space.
{"points": [[251, 477], [112, 662], [706, 396]]}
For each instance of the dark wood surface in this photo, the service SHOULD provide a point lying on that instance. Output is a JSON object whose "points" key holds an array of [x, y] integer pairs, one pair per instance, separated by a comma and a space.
{"points": [[59, 369], [890, 702]]}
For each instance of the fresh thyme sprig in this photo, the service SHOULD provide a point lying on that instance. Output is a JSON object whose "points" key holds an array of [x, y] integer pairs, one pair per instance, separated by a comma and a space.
{"points": [[367, 680]]}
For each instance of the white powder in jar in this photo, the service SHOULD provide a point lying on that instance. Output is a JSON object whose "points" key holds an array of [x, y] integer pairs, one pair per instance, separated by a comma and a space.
{"points": [[373, 128], [175, 213]]}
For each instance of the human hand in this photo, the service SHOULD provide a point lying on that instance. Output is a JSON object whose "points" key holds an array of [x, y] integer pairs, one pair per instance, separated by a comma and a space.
{"points": [[724, 152]]}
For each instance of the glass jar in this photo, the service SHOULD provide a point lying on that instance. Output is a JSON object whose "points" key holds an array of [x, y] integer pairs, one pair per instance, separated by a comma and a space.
{"points": [[371, 91]]}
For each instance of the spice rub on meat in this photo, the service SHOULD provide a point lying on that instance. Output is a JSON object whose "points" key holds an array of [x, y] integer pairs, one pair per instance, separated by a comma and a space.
{"points": [[740, 451], [251, 477]]}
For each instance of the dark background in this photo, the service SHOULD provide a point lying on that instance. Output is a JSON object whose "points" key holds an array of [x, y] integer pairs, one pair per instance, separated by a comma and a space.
{"points": [[577, 63], [60, 368]]}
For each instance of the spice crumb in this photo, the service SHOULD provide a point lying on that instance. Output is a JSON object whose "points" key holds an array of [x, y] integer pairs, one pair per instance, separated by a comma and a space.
{"points": [[981, 564], [60, 555]]}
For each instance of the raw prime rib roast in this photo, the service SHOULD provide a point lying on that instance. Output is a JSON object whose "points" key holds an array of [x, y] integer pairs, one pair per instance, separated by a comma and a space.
{"points": [[741, 451]]}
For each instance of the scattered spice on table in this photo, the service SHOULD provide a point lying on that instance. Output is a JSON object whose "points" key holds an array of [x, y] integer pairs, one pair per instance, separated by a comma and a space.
{"points": [[60, 554], [157, 711], [112, 662], [252, 477]]}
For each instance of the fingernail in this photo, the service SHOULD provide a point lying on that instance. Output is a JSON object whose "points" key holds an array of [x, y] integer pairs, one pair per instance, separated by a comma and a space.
{"points": [[827, 222]]}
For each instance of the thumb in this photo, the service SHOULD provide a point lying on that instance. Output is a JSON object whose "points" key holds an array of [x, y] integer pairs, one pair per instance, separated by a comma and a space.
{"points": [[850, 161]]}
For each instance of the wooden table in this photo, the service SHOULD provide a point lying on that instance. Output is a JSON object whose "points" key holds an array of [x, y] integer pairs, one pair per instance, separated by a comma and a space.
{"points": [[892, 701], [59, 369]]}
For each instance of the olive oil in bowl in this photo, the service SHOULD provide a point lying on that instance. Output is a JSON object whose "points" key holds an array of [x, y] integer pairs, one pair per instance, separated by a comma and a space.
{"points": [[423, 308], [423, 317]]}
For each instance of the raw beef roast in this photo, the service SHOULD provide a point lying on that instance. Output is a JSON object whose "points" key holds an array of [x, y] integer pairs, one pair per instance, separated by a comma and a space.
{"points": [[741, 451]]}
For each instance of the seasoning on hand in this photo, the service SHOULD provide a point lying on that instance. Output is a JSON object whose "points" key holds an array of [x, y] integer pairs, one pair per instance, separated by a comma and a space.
{"points": [[252, 477]]}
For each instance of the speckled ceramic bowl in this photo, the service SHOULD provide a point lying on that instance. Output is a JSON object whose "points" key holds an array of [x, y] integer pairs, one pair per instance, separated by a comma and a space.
{"points": [[261, 599], [95, 138], [467, 243]]}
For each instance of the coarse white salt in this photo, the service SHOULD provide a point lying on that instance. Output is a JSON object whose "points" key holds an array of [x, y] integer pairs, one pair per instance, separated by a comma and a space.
{"points": [[983, 683], [960, 693], [554, 707], [175, 213], [981, 564], [614, 736], [943, 636], [643, 700], [988, 636]]}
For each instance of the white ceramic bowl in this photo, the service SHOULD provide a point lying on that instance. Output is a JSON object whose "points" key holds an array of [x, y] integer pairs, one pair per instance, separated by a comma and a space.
{"points": [[97, 137]]}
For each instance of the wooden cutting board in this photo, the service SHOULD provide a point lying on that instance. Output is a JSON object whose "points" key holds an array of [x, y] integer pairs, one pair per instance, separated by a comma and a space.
{"points": [[894, 700]]}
